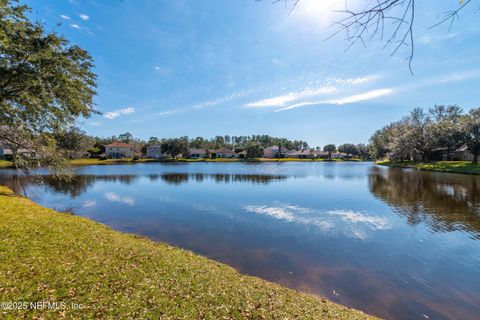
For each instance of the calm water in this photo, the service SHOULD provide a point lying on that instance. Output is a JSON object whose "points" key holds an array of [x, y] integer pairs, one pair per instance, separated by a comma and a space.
{"points": [[401, 244]]}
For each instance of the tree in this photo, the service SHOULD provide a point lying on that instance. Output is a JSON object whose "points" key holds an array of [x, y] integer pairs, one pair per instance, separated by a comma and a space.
{"points": [[126, 137], [175, 147], [45, 85], [447, 130], [349, 149], [153, 140], [254, 150], [73, 142], [391, 21], [363, 151], [471, 125], [330, 148]]}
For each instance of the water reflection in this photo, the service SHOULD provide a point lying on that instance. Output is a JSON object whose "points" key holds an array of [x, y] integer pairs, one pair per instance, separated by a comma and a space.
{"points": [[358, 234], [80, 183], [445, 202]]}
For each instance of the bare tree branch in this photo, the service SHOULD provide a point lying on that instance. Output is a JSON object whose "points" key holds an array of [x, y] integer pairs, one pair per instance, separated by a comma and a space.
{"points": [[370, 22]]}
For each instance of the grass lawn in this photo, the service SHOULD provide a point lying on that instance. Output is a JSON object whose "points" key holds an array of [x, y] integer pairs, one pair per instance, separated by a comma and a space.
{"points": [[465, 167], [5, 164], [56, 257]]}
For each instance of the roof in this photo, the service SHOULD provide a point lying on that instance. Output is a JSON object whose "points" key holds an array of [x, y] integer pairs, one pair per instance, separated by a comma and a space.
{"points": [[154, 146], [224, 150], [118, 144], [301, 152], [197, 151]]}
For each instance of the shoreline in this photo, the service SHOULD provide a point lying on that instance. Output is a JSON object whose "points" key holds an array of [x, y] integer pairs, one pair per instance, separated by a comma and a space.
{"points": [[57, 257], [460, 167], [4, 164]]}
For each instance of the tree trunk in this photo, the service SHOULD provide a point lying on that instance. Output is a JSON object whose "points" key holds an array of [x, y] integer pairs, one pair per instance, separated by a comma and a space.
{"points": [[475, 157]]}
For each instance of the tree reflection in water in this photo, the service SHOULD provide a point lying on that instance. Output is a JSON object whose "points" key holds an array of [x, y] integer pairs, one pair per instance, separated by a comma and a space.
{"points": [[80, 183], [444, 202]]}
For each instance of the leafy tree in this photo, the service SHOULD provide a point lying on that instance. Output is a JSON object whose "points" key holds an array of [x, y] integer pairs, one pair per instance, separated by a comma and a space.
{"points": [[254, 150], [126, 137], [330, 148], [349, 149], [471, 125], [175, 146], [363, 151], [73, 142], [153, 140], [45, 85], [447, 129]]}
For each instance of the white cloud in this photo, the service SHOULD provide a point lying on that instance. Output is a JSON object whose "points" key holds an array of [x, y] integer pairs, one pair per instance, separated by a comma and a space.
{"points": [[290, 97], [112, 196], [359, 80], [64, 17], [369, 95], [84, 17], [215, 102], [377, 223], [290, 213], [75, 26], [330, 85], [116, 113], [89, 203]]}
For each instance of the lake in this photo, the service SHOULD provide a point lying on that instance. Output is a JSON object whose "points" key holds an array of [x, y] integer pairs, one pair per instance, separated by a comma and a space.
{"points": [[397, 243]]}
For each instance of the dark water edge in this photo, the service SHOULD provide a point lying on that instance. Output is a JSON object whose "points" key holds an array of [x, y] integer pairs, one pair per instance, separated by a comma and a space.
{"points": [[397, 243]]}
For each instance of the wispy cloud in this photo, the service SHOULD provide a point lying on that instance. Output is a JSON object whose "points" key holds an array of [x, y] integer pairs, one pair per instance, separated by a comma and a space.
{"points": [[359, 80], [214, 102], [89, 203], [290, 97], [116, 113], [305, 96], [366, 96], [65, 17], [75, 26], [113, 197], [84, 17]]}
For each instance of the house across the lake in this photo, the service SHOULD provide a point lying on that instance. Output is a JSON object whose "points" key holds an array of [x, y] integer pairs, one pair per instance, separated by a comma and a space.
{"points": [[117, 150], [301, 154], [275, 152], [198, 153], [155, 151], [223, 153]]}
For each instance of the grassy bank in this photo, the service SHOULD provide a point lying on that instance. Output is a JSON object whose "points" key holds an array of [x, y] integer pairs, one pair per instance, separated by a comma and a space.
{"points": [[5, 164], [464, 167], [55, 257]]}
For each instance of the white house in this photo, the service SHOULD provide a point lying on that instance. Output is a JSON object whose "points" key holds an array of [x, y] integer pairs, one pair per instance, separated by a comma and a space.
{"points": [[119, 150], [198, 153], [224, 153], [155, 151]]}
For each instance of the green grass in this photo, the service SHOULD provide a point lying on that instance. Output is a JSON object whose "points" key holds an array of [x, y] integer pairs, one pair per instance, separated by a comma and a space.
{"points": [[92, 161], [5, 164], [55, 257], [464, 167]]}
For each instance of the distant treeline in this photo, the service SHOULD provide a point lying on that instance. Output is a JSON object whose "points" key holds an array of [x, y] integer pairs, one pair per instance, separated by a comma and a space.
{"points": [[434, 134], [76, 144]]}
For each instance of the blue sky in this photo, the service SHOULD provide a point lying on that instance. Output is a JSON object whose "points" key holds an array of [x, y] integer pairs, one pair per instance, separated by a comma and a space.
{"points": [[241, 67]]}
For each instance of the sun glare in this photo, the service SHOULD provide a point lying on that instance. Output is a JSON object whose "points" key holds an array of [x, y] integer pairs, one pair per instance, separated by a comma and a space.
{"points": [[318, 12]]}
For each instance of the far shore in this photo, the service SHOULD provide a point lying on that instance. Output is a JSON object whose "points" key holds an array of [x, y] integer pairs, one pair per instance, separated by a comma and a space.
{"points": [[95, 161], [462, 167]]}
